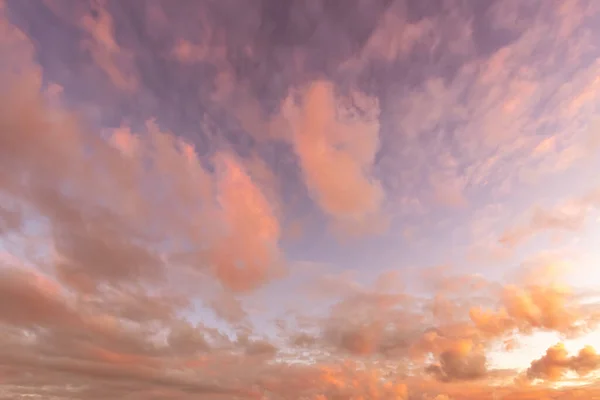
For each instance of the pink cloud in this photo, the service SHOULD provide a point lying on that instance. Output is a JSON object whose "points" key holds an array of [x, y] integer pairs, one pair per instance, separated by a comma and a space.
{"points": [[570, 217], [150, 262], [336, 150]]}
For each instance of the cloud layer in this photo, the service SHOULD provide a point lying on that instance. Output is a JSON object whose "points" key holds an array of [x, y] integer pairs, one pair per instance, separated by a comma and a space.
{"points": [[297, 200]]}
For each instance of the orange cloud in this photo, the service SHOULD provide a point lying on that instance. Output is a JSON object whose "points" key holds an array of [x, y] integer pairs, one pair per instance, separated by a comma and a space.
{"points": [[556, 362], [530, 307], [347, 380]]}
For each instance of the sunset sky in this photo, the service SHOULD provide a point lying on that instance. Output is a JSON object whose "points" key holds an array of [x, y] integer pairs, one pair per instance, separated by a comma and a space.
{"points": [[300, 199]]}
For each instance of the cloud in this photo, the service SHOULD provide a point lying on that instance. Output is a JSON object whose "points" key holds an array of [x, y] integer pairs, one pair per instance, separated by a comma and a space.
{"points": [[556, 362], [142, 245], [30, 299], [187, 52], [104, 314], [113, 60], [459, 364], [568, 217], [347, 380], [336, 146], [531, 307], [100, 219], [481, 105]]}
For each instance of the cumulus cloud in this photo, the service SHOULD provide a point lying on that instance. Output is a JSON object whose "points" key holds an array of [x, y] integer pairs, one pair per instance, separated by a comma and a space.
{"points": [[530, 307], [556, 362]]}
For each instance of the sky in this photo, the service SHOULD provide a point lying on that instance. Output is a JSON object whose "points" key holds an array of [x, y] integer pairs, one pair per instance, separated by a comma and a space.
{"points": [[300, 199]]}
